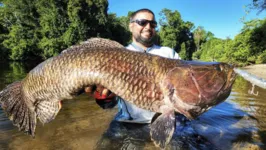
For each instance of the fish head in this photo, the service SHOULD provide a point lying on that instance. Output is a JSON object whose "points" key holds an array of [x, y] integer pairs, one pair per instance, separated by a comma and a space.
{"points": [[194, 87]]}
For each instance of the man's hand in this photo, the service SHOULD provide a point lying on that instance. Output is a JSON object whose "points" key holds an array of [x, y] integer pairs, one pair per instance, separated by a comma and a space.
{"points": [[100, 92]]}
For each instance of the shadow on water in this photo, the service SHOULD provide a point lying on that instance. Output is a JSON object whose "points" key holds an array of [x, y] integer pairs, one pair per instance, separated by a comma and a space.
{"points": [[223, 127], [238, 123], [137, 136], [226, 126]]}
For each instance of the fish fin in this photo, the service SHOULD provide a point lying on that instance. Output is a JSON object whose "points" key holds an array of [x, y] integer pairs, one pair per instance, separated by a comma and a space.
{"points": [[47, 110], [162, 129], [94, 42], [16, 107]]}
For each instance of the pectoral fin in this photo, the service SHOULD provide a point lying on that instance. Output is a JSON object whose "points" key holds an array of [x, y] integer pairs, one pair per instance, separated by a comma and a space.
{"points": [[47, 110], [162, 128]]}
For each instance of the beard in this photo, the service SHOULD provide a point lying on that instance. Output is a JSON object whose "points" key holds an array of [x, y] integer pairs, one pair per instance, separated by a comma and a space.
{"points": [[145, 41]]}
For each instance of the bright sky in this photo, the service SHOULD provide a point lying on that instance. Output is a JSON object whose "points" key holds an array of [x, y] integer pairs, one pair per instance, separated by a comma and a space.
{"points": [[221, 17]]}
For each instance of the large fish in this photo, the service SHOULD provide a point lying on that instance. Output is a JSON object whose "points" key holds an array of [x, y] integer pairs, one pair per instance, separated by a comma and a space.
{"points": [[151, 82]]}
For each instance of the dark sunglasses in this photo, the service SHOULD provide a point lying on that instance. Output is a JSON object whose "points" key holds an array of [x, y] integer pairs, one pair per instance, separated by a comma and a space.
{"points": [[144, 22]]}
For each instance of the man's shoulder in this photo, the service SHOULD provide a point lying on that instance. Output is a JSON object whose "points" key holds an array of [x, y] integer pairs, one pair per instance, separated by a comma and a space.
{"points": [[131, 47], [165, 51], [162, 47]]}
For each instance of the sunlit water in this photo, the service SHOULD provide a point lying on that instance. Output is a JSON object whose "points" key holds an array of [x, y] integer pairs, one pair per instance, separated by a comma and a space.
{"points": [[237, 123]]}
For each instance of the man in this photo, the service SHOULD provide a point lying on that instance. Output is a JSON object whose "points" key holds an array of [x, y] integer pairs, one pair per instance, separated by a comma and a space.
{"points": [[134, 136], [142, 26]]}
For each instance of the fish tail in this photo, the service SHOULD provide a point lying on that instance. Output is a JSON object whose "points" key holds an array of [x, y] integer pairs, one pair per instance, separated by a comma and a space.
{"points": [[16, 106]]}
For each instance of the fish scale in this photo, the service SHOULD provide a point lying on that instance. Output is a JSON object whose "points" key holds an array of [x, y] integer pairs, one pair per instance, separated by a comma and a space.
{"points": [[116, 70]]}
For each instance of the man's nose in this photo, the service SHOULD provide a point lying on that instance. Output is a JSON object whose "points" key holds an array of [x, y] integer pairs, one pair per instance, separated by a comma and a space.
{"points": [[148, 26]]}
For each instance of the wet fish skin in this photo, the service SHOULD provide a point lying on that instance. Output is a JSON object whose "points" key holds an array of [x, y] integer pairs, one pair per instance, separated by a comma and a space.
{"points": [[122, 71], [148, 81]]}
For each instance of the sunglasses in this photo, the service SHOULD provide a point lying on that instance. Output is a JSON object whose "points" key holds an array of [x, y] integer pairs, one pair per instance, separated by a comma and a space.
{"points": [[144, 22]]}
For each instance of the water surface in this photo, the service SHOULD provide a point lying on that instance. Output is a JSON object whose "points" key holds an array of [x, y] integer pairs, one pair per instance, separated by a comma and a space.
{"points": [[237, 123]]}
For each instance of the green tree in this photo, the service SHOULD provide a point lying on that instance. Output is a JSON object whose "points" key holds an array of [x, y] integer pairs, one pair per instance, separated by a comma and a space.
{"points": [[182, 52], [259, 5], [170, 23], [3, 33], [188, 38], [248, 47], [54, 23], [118, 29], [201, 36], [250, 43], [87, 19], [67, 22], [174, 31], [212, 50], [21, 20], [257, 40], [42, 28]]}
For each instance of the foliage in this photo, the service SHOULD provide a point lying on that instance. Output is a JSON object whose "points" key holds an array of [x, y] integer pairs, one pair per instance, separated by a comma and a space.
{"points": [[212, 49], [174, 31], [53, 24], [196, 55], [64, 23], [34, 29], [22, 42], [201, 36], [41, 28], [246, 48], [261, 58], [21, 21], [118, 29], [259, 5], [258, 37], [182, 53], [3, 32]]}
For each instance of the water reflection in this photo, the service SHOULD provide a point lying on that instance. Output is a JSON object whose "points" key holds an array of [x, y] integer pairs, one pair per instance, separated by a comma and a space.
{"points": [[238, 123], [137, 136]]}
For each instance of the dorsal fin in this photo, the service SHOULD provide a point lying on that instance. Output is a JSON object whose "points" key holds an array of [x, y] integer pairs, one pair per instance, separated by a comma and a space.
{"points": [[95, 42], [101, 42]]}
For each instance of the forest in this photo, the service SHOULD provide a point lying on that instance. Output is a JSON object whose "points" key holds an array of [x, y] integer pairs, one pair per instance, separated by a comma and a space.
{"points": [[40, 29]]}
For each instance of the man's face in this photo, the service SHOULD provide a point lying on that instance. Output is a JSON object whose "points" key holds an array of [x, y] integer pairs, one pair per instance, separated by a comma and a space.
{"points": [[142, 31]]}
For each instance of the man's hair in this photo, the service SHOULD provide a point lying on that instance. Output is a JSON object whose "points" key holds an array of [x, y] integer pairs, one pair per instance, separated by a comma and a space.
{"points": [[132, 16]]}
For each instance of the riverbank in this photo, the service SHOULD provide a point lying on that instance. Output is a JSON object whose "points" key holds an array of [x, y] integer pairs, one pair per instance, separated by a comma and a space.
{"points": [[257, 70]]}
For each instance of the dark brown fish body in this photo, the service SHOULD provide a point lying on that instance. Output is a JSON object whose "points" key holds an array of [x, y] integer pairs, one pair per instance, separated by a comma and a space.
{"points": [[148, 81]]}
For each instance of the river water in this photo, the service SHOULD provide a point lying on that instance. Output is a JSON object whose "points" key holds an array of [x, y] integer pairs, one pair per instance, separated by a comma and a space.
{"points": [[237, 123]]}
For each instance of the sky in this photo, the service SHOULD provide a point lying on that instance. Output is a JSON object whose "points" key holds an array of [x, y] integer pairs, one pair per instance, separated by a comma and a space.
{"points": [[221, 17]]}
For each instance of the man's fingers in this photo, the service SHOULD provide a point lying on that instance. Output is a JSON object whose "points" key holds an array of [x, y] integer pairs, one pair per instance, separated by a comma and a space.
{"points": [[99, 88], [88, 89], [100, 92], [105, 91]]}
